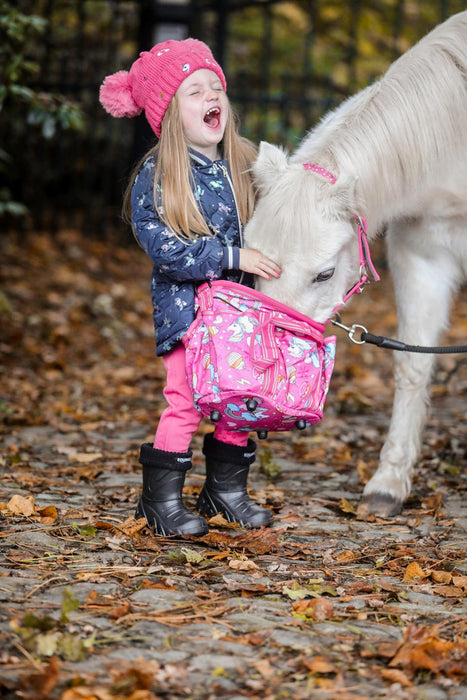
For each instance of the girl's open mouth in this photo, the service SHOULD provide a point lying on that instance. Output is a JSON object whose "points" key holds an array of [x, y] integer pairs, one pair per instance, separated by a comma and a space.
{"points": [[212, 117]]}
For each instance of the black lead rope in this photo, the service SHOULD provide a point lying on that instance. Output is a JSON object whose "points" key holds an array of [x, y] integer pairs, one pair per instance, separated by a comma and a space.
{"points": [[392, 344]]}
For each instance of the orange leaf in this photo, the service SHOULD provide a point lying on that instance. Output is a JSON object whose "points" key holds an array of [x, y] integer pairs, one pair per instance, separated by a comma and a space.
{"points": [[43, 683], [319, 664], [414, 572], [131, 527], [423, 649], [460, 581], [119, 611], [449, 591], [48, 515], [396, 676], [219, 521], [441, 576], [346, 506], [317, 608], [346, 555], [103, 525]]}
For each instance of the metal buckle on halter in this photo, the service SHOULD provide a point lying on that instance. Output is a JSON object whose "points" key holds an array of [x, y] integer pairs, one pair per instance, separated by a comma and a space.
{"points": [[366, 266], [365, 258], [364, 278]]}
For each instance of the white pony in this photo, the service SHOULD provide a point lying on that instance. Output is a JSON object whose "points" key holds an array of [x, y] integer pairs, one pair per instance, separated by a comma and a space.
{"points": [[398, 152]]}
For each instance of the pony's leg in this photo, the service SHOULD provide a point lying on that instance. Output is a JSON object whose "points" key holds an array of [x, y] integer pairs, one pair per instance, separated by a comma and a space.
{"points": [[424, 276]]}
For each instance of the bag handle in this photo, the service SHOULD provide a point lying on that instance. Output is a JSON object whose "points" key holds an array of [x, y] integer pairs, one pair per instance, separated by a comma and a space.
{"points": [[268, 322], [267, 363]]}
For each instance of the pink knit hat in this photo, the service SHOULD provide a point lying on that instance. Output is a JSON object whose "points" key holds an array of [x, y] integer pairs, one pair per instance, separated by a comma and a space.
{"points": [[154, 78]]}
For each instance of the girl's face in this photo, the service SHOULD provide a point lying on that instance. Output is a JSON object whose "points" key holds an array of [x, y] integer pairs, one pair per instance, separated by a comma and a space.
{"points": [[203, 108]]}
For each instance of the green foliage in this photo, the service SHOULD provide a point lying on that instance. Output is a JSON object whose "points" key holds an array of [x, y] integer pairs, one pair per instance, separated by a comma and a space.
{"points": [[69, 605], [267, 466], [23, 108], [308, 57], [45, 636]]}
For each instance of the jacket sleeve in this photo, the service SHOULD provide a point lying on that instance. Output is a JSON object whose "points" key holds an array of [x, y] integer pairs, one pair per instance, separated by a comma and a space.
{"points": [[204, 258]]}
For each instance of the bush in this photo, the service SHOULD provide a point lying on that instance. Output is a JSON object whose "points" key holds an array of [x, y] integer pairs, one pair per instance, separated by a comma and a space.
{"points": [[24, 111]]}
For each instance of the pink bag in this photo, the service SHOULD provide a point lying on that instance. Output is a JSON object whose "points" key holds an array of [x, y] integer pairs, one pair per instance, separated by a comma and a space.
{"points": [[256, 364]]}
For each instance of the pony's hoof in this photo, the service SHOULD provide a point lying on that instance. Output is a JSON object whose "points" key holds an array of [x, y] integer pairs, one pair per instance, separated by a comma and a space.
{"points": [[380, 504]]}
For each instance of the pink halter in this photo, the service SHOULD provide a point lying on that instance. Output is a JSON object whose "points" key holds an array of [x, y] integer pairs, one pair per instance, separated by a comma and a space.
{"points": [[366, 264]]}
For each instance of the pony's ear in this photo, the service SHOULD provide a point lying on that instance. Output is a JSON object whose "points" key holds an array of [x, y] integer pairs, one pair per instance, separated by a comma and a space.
{"points": [[343, 195], [270, 162]]}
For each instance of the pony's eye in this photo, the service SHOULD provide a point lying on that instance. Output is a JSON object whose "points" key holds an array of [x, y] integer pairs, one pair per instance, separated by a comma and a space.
{"points": [[325, 275]]}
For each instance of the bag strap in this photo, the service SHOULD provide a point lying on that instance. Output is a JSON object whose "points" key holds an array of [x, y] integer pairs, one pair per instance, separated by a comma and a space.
{"points": [[204, 296]]}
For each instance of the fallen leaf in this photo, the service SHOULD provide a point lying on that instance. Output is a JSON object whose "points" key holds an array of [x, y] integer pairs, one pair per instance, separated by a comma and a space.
{"points": [[42, 683], [346, 506], [396, 676], [219, 521], [102, 525], [317, 608], [47, 515], [460, 581], [84, 457], [265, 669], [346, 555], [422, 648], [243, 564], [296, 592], [119, 611], [318, 664], [192, 555], [131, 527], [22, 505], [441, 576], [414, 572], [449, 591]]}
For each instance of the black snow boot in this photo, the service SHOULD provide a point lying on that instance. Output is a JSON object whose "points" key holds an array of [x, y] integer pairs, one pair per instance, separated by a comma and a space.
{"points": [[161, 501], [225, 491]]}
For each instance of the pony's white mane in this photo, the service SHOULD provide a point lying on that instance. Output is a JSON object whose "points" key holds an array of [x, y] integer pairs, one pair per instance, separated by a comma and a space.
{"points": [[404, 129]]}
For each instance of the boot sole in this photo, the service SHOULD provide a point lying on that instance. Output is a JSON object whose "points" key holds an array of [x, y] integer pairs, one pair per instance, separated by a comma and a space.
{"points": [[209, 508], [159, 527]]}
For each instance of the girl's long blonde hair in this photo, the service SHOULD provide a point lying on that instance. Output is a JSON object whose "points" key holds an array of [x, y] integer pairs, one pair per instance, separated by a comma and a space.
{"points": [[174, 200]]}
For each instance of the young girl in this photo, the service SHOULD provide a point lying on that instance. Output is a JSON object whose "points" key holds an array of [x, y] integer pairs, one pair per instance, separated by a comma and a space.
{"points": [[188, 201]]}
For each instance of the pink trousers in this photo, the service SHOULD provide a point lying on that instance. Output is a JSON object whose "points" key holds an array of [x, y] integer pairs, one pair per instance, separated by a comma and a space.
{"points": [[180, 420]]}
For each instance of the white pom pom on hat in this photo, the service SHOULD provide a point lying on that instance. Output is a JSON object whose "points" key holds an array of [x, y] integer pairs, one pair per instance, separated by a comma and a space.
{"points": [[154, 78]]}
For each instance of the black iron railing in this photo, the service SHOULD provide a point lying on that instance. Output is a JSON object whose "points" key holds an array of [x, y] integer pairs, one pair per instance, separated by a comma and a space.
{"points": [[287, 63]]}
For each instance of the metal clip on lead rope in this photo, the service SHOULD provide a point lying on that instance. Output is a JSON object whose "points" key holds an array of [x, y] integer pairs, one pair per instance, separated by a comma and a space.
{"points": [[351, 330], [392, 344]]}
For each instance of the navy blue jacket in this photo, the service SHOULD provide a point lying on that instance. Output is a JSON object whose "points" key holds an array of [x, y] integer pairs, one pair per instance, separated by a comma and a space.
{"points": [[179, 267]]}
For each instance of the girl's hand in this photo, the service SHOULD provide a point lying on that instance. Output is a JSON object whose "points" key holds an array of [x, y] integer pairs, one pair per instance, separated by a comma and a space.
{"points": [[256, 263]]}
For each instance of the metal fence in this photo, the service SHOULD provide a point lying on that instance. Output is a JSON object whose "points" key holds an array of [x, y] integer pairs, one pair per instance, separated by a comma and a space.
{"points": [[286, 63]]}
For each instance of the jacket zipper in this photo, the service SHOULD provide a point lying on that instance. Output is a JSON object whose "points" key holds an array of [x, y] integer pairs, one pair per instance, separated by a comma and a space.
{"points": [[240, 227]]}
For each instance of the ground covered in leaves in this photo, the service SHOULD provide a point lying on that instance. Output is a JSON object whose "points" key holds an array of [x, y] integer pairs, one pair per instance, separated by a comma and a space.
{"points": [[321, 605]]}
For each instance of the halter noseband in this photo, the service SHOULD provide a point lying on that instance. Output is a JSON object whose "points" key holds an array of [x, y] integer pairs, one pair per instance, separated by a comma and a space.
{"points": [[366, 264]]}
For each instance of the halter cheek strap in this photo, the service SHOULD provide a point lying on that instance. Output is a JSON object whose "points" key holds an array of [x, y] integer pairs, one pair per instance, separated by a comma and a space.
{"points": [[366, 264]]}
